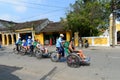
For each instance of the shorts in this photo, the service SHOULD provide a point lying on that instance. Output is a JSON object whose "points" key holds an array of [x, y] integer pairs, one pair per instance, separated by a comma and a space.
{"points": [[60, 51]]}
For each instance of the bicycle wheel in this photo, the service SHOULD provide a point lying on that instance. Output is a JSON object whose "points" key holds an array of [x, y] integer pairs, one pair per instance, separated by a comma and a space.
{"points": [[22, 51], [15, 51], [73, 60], [54, 57], [38, 54]]}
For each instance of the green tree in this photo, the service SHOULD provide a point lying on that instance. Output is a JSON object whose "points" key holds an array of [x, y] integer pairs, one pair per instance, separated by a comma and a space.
{"points": [[87, 17]]}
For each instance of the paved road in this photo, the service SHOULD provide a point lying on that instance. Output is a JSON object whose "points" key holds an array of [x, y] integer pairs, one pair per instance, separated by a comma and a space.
{"points": [[104, 66]]}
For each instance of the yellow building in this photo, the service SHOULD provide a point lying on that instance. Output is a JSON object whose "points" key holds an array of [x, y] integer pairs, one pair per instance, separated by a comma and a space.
{"points": [[7, 36], [117, 31], [43, 30]]}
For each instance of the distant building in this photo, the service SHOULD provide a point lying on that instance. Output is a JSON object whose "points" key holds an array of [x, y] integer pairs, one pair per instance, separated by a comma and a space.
{"points": [[117, 30]]}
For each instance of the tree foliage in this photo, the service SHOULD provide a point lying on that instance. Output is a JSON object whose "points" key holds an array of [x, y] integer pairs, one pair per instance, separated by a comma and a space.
{"points": [[87, 17]]}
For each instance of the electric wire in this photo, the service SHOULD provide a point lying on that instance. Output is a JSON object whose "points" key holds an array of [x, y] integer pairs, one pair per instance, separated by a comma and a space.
{"points": [[40, 14], [45, 5]]}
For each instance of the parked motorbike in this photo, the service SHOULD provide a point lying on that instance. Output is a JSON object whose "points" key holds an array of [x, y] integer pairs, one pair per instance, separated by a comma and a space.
{"points": [[86, 44]]}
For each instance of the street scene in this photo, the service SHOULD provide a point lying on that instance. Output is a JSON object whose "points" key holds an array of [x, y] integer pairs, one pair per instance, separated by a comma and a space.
{"points": [[104, 66], [59, 39]]}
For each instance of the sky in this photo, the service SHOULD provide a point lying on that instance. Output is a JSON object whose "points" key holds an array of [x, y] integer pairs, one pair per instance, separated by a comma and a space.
{"points": [[30, 10]]}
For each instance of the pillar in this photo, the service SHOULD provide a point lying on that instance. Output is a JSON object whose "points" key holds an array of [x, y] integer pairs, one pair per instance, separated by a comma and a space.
{"points": [[76, 41], [17, 35], [7, 39], [41, 38], [68, 36], [33, 35], [12, 38], [3, 39]]}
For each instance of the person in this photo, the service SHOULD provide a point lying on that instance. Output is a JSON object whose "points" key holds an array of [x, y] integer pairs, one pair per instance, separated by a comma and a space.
{"points": [[59, 46], [35, 43], [29, 42], [80, 42], [72, 49], [66, 48], [42, 48], [18, 43], [24, 44]]}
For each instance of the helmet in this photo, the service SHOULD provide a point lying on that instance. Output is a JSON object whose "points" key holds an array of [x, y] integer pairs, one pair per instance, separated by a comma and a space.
{"points": [[29, 36], [61, 35], [19, 37], [23, 40]]}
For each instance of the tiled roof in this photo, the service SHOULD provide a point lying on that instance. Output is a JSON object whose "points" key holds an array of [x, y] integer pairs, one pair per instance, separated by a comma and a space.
{"points": [[53, 27], [3, 23], [37, 25], [29, 24]]}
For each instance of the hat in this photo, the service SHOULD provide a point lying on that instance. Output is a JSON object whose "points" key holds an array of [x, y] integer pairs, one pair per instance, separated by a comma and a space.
{"points": [[61, 35], [19, 37], [29, 36]]}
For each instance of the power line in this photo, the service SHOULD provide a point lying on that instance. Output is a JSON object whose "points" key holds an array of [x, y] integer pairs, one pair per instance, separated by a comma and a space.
{"points": [[45, 5], [15, 4], [41, 14], [52, 11], [42, 4]]}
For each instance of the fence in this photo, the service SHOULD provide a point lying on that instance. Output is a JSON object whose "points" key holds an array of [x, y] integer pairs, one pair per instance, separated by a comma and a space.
{"points": [[97, 41]]}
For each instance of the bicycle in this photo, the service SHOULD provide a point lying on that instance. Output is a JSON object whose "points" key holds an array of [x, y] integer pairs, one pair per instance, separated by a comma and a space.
{"points": [[74, 60], [39, 53], [20, 50]]}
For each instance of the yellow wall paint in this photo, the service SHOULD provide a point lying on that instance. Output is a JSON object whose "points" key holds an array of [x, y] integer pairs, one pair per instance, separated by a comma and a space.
{"points": [[26, 29], [3, 39], [40, 37], [68, 36], [100, 41], [118, 27], [76, 38], [89, 40]]}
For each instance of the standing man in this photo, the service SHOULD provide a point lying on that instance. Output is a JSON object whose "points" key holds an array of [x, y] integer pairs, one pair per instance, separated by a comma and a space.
{"points": [[18, 43], [59, 46]]}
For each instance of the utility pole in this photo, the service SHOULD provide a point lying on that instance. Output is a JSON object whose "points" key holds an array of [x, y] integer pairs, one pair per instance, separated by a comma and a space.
{"points": [[113, 23]]}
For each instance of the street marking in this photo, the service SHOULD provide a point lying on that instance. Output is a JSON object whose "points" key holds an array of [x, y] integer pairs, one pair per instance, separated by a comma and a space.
{"points": [[46, 77], [114, 57]]}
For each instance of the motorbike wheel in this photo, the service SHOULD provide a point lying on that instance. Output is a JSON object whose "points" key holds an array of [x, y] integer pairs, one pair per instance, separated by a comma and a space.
{"points": [[38, 54], [54, 57], [73, 60], [86, 45]]}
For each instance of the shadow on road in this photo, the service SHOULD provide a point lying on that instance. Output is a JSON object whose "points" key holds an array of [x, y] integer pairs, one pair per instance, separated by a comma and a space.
{"points": [[6, 72]]}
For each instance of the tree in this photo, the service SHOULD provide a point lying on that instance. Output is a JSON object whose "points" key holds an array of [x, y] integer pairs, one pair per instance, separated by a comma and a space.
{"points": [[87, 17]]}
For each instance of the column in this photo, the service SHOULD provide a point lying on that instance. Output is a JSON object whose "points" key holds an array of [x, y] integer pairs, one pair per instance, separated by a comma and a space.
{"points": [[3, 39], [41, 38], [12, 39], [7, 39], [33, 35], [76, 39], [17, 35], [68, 36]]}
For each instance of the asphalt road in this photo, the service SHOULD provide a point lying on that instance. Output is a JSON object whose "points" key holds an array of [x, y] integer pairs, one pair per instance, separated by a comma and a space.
{"points": [[104, 66]]}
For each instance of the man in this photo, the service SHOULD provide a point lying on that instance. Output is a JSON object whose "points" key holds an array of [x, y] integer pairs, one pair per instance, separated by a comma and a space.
{"points": [[18, 43], [59, 46]]}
